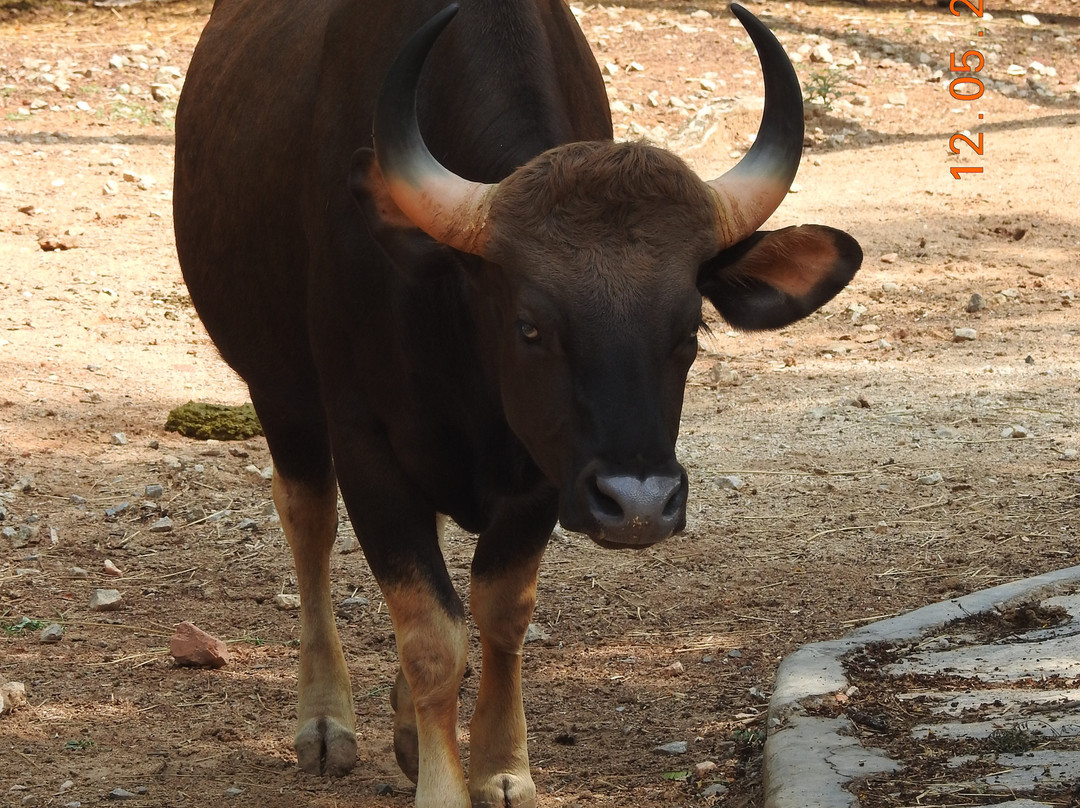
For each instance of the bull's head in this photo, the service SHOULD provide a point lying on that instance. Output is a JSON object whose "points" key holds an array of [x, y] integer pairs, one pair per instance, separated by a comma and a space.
{"points": [[598, 256]]}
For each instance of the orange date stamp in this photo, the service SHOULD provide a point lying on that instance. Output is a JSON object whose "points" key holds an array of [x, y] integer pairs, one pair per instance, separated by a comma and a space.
{"points": [[966, 88]]}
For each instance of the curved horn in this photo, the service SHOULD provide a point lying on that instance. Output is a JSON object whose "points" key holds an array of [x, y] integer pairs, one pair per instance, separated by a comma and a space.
{"points": [[749, 192], [448, 208]]}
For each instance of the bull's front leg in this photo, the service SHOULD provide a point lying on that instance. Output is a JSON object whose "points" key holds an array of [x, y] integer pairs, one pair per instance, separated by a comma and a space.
{"points": [[503, 595], [432, 646], [326, 737]]}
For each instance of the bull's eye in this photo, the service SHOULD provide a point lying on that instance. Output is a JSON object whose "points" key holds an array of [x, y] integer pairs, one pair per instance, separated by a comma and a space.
{"points": [[529, 332]]}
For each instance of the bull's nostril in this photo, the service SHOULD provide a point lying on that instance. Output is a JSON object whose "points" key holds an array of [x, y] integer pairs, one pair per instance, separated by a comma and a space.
{"points": [[676, 503], [601, 503]]}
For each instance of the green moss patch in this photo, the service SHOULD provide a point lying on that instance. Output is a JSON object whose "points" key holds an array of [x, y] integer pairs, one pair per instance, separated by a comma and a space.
{"points": [[217, 421]]}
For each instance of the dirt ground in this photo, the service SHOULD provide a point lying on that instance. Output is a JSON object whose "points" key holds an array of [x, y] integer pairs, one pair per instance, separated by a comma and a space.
{"points": [[886, 462]]}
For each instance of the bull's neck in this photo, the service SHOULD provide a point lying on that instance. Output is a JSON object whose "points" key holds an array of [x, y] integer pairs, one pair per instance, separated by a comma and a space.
{"points": [[509, 81]]}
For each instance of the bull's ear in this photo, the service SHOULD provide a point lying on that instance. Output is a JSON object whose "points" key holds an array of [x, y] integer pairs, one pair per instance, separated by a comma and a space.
{"points": [[412, 251], [772, 279]]}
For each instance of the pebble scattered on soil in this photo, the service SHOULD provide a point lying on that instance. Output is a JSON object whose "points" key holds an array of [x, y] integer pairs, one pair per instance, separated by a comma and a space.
{"points": [[191, 646], [287, 603], [535, 634], [672, 748], [106, 600]]}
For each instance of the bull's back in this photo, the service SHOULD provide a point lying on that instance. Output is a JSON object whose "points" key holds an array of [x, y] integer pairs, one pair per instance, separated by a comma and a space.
{"points": [[241, 133]]}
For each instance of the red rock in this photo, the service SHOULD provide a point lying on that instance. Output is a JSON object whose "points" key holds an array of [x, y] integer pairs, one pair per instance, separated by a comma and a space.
{"points": [[192, 646]]}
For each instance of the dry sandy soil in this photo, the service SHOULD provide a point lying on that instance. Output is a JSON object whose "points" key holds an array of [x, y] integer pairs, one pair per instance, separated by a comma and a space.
{"points": [[829, 424]]}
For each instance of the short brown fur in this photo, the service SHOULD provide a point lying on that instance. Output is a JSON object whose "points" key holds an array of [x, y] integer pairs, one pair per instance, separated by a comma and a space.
{"points": [[602, 217]]}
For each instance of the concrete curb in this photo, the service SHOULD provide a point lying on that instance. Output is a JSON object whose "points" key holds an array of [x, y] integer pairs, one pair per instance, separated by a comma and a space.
{"points": [[808, 759]]}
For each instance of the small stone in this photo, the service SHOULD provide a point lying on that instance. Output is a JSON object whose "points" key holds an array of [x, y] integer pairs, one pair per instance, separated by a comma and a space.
{"points": [[931, 479], [287, 603], [730, 482], [171, 462], [119, 439], [78, 572], [106, 600], [735, 653], [355, 603], [233, 792], [75, 499], [975, 303], [889, 287], [52, 633], [672, 748], [676, 668], [112, 570], [163, 91], [162, 525], [110, 188], [384, 790], [191, 646], [116, 510], [715, 790], [247, 524], [890, 258], [54, 243], [24, 484], [1070, 455], [535, 634], [12, 696], [821, 53], [965, 334], [348, 543], [703, 768], [1015, 431], [154, 491], [1029, 19], [121, 794]]}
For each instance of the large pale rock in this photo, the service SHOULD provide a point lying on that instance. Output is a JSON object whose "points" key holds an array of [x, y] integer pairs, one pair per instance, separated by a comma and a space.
{"points": [[106, 600], [12, 696]]}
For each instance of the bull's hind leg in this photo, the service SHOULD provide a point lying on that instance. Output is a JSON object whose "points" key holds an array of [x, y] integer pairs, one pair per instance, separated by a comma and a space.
{"points": [[305, 495], [502, 598]]}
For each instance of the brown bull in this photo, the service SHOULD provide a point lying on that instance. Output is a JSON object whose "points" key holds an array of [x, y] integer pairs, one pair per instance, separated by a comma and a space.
{"points": [[508, 349]]}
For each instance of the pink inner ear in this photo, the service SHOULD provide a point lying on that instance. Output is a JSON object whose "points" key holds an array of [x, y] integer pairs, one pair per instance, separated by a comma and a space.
{"points": [[793, 260]]}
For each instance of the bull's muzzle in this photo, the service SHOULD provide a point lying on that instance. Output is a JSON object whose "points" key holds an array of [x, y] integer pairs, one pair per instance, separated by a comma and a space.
{"points": [[626, 510]]}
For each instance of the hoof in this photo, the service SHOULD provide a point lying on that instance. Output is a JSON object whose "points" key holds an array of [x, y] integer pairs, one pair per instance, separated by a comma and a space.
{"points": [[504, 791], [324, 746]]}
